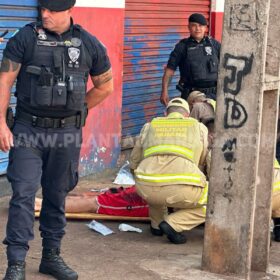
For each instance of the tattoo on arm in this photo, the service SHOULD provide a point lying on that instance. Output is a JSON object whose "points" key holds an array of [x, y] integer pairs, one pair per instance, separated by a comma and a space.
{"points": [[103, 78], [8, 66], [169, 79]]}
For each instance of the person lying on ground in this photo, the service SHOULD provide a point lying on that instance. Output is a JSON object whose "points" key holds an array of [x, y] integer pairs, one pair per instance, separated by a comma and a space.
{"points": [[116, 202], [126, 202]]}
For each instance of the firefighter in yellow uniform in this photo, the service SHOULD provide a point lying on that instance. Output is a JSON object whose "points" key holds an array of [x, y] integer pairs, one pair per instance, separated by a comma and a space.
{"points": [[276, 202], [201, 107], [167, 160]]}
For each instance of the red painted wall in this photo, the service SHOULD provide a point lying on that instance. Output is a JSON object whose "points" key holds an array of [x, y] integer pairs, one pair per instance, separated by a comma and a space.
{"points": [[216, 28], [102, 133]]}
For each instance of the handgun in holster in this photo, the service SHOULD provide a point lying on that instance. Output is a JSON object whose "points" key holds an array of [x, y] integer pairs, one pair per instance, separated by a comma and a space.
{"points": [[82, 116], [10, 119], [184, 91]]}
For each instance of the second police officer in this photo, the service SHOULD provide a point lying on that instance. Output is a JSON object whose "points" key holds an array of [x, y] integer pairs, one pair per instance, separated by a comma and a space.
{"points": [[198, 59], [51, 61]]}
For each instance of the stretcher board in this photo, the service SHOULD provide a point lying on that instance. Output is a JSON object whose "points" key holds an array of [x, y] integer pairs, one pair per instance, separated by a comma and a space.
{"points": [[95, 216]]}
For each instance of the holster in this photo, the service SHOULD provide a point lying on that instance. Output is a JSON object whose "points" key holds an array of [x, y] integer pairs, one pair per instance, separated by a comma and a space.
{"points": [[82, 116], [10, 119], [184, 91]]}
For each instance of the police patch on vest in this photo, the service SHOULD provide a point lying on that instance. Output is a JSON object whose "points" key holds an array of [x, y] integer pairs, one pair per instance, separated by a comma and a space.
{"points": [[41, 34], [208, 50], [74, 55]]}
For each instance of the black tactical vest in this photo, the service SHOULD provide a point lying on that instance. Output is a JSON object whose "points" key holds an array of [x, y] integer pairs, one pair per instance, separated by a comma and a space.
{"points": [[201, 63], [55, 77]]}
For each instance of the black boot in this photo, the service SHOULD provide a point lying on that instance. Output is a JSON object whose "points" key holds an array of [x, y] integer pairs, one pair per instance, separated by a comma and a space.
{"points": [[173, 236], [54, 265], [276, 229], [15, 271], [156, 231]]}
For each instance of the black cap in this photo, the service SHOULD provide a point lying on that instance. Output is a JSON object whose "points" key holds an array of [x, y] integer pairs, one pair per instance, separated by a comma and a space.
{"points": [[57, 5], [198, 18]]}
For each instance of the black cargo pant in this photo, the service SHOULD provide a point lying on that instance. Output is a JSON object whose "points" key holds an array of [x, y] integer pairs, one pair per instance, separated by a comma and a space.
{"points": [[49, 156]]}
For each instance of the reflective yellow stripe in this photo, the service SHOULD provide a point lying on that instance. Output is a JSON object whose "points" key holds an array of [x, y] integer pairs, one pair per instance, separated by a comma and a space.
{"points": [[204, 209], [276, 186], [171, 122], [204, 196], [276, 164], [165, 178], [169, 149]]}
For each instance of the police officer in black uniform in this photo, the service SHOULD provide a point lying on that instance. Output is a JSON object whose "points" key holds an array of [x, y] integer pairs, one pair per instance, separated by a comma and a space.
{"points": [[198, 61], [51, 61]]}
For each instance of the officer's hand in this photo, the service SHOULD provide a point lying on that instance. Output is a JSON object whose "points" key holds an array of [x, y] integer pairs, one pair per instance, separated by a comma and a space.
{"points": [[164, 98], [6, 138]]}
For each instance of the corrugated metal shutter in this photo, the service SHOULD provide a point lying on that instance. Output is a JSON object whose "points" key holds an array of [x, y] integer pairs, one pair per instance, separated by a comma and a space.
{"points": [[13, 15], [152, 28]]}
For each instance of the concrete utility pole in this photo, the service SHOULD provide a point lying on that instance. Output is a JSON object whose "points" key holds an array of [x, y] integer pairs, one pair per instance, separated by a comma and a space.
{"points": [[239, 204], [261, 235]]}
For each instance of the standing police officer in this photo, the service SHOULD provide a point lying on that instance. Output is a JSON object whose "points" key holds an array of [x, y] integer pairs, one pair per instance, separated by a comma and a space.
{"points": [[198, 61], [51, 61]]}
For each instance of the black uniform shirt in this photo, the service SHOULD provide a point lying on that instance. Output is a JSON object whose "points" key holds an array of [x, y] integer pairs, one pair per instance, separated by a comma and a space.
{"points": [[178, 55], [20, 49]]}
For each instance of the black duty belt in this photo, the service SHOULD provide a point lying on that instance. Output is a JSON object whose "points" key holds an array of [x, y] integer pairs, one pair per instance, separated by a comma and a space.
{"points": [[45, 122]]}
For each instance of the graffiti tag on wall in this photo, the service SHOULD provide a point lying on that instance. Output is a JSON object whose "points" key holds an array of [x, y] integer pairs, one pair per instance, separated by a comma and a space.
{"points": [[239, 67], [243, 17]]}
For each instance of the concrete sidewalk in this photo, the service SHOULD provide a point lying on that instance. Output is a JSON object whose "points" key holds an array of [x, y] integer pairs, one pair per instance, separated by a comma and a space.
{"points": [[5, 188], [124, 255]]}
